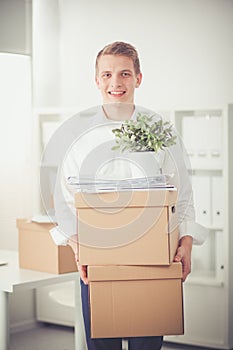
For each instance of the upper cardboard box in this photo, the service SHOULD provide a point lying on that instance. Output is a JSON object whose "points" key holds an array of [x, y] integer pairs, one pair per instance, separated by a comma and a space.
{"points": [[127, 228]]}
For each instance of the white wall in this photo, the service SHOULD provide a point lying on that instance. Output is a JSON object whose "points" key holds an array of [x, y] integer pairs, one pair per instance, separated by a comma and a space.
{"points": [[185, 47], [15, 138], [46, 58], [15, 145]]}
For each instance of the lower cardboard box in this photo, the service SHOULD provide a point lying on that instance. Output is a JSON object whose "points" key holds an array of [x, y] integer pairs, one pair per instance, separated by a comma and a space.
{"points": [[37, 251], [133, 301]]}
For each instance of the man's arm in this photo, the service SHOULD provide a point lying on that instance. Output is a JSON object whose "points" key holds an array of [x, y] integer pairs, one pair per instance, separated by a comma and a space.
{"points": [[73, 243]]}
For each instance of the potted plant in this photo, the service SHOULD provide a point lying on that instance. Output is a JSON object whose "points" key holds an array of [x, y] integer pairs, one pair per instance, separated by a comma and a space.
{"points": [[145, 134]]}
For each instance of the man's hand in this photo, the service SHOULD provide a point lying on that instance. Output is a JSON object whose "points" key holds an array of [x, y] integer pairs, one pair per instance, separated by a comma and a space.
{"points": [[183, 255], [73, 243], [83, 273]]}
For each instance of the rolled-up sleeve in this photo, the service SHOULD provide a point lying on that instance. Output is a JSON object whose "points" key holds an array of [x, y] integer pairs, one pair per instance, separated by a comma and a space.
{"points": [[177, 163], [64, 210]]}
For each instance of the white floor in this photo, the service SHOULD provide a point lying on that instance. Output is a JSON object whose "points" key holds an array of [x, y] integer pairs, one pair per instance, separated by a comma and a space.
{"points": [[42, 338], [60, 338]]}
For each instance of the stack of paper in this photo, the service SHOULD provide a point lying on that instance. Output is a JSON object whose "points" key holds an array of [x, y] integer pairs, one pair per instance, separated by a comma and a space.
{"points": [[100, 185]]}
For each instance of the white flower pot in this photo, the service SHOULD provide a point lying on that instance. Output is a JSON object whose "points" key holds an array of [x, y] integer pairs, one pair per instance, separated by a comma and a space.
{"points": [[145, 164]]}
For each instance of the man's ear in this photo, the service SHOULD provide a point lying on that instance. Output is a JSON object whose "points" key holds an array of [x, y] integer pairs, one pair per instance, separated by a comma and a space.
{"points": [[139, 80], [97, 81]]}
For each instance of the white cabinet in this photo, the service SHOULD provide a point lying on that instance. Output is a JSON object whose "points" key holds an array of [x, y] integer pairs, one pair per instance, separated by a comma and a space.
{"points": [[208, 292]]}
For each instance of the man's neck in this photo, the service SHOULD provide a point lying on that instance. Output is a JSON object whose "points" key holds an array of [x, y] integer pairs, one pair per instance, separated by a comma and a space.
{"points": [[118, 111]]}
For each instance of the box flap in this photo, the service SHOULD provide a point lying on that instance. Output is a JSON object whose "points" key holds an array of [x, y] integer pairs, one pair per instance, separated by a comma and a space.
{"points": [[140, 198], [121, 273], [27, 224]]}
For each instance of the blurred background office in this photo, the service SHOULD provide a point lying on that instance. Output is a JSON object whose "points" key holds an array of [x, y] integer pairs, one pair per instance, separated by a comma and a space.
{"points": [[47, 57]]}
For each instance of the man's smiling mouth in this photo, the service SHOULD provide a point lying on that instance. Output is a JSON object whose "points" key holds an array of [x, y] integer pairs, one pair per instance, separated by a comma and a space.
{"points": [[117, 93]]}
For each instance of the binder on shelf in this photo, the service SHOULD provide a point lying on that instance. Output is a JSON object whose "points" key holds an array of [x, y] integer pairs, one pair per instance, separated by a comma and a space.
{"points": [[201, 193], [217, 201]]}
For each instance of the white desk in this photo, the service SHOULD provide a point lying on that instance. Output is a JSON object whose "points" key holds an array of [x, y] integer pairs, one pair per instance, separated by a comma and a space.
{"points": [[12, 278]]}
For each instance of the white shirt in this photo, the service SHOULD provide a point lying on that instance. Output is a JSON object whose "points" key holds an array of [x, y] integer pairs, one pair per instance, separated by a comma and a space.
{"points": [[88, 152]]}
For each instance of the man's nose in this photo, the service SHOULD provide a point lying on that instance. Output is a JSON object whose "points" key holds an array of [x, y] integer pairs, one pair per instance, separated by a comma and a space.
{"points": [[116, 82]]}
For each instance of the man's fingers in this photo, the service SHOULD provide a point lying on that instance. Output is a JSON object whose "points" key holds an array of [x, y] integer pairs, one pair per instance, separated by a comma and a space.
{"points": [[178, 256]]}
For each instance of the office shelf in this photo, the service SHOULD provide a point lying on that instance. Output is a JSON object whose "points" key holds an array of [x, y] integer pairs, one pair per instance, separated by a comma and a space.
{"points": [[207, 136], [46, 122]]}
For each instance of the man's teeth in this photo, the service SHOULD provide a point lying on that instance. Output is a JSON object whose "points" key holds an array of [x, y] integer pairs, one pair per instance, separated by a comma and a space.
{"points": [[116, 92]]}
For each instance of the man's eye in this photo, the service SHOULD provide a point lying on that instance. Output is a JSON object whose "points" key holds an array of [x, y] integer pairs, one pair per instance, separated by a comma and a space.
{"points": [[126, 74], [106, 75]]}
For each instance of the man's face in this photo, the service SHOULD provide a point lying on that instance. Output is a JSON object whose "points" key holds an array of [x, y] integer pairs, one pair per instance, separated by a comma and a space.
{"points": [[117, 79]]}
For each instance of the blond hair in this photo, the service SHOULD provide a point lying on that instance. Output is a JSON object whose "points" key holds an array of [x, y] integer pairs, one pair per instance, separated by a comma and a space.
{"points": [[120, 48]]}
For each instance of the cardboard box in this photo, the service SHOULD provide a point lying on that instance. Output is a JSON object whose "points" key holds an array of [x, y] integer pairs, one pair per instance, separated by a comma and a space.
{"points": [[131, 301], [127, 228], [37, 251]]}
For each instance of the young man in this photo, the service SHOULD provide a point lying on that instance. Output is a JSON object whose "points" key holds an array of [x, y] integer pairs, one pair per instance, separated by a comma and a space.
{"points": [[118, 74]]}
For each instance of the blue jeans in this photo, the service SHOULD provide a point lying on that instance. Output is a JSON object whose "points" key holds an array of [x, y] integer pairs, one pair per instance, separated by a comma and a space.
{"points": [[135, 343]]}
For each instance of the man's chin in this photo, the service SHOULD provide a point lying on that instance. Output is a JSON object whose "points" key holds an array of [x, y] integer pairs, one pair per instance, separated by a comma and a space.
{"points": [[118, 100]]}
